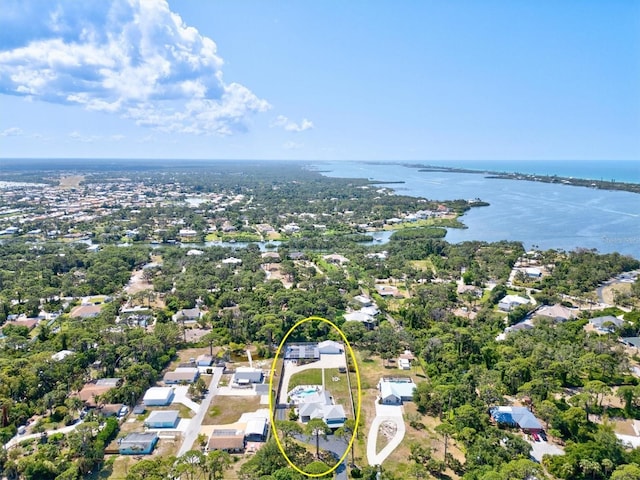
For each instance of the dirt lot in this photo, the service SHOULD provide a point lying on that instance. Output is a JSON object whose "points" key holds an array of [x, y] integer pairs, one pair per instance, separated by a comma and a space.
{"points": [[185, 355], [624, 427], [274, 272], [424, 436], [72, 181], [608, 292]]}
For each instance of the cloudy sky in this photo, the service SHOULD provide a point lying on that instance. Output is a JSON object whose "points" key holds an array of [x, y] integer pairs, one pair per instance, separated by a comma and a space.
{"points": [[406, 80]]}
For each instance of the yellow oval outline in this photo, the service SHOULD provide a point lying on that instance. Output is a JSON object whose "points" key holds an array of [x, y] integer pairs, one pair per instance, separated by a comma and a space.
{"points": [[271, 397]]}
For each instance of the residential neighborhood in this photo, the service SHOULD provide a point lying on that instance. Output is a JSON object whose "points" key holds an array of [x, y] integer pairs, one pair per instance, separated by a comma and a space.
{"points": [[151, 335]]}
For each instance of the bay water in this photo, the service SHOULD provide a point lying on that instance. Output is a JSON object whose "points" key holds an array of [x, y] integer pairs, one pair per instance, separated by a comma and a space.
{"points": [[541, 215]]}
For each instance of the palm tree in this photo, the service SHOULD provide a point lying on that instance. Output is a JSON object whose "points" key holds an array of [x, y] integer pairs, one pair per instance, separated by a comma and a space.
{"points": [[446, 430], [216, 463], [590, 466], [345, 433], [191, 464], [288, 429], [318, 428]]}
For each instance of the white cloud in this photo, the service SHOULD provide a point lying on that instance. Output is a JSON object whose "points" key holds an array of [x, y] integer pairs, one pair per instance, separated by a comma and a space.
{"points": [[12, 132], [291, 126], [134, 58], [292, 145], [83, 138]]}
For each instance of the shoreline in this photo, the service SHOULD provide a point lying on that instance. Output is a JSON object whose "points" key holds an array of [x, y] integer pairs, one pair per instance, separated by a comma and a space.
{"points": [[609, 241], [571, 181]]}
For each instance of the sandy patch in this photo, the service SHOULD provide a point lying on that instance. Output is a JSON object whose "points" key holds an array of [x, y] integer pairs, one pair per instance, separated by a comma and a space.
{"points": [[609, 292]]}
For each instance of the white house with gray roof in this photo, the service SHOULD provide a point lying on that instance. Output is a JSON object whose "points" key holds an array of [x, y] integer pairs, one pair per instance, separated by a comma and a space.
{"points": [[396, 391], [320, 405]]}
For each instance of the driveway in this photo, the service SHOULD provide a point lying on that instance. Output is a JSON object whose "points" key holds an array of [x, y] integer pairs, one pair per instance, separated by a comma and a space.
{"points": [[180, 396], [541, 448], [335, 446], [193, 429], [384, 413]]}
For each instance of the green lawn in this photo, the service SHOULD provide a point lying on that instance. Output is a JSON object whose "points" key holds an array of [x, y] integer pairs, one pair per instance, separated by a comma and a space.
{"points": [[307, 377], [334, 381], [424, 265], [339, 389]]}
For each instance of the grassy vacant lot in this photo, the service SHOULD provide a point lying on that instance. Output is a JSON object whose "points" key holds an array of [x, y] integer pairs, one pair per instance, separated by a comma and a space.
{"points": [[424, 265], [224, 410], [370, 372], [183, 356], [306, 377], [339, 389]]}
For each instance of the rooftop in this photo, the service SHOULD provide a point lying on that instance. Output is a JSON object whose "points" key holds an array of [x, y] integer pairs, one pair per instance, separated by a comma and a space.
{"points": [[163, 416]]}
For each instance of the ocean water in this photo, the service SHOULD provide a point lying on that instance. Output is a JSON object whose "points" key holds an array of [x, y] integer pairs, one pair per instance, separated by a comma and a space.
{"points": [[617, 170], [537, 214]]}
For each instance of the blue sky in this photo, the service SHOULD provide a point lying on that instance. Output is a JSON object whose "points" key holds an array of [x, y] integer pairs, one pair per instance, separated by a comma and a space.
{"points": [[382, 80]]}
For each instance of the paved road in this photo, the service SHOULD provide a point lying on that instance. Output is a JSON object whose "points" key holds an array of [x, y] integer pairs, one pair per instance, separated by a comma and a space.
{"points": [[21, 438], [384, 413], [193, 430]]}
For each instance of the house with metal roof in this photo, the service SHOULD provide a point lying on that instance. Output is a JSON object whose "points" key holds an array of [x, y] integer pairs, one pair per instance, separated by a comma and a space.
{"points": [[516, 416], [396, 390], [139, 443], [181, 375], [605, 324], [162, 419], [509, 302], [329, 347], [158, 396], [631, 341], [187, 315], [256, 430], [359, 316], [363, 300], [246, 376], [204, 360], [109, 382]]}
